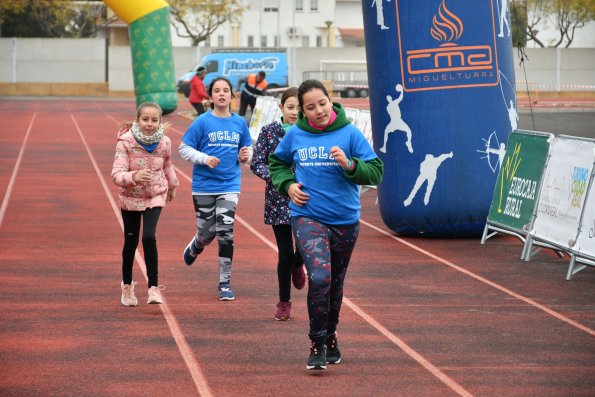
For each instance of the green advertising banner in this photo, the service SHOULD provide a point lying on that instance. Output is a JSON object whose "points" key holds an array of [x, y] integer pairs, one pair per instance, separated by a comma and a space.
{"points": [[517, 186]]}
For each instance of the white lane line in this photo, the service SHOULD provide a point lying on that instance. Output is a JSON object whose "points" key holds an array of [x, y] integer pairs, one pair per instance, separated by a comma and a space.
{"points": [[198, 377], [484, 280], [15, 170], [402, 345], [448, 381]]}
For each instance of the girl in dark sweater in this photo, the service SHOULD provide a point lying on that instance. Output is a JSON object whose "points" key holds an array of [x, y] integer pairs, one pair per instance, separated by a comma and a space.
{"points": [[290, 266]]}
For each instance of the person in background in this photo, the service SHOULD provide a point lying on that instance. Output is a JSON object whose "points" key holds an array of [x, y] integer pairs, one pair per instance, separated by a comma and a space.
{"points": [[198, 93], [331, 158], [216, 143], [143, 171], [290, 266], [254, 85]]}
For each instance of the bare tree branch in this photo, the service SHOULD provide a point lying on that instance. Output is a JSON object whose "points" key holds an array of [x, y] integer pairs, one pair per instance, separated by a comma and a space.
{"points": [[197, 20]]}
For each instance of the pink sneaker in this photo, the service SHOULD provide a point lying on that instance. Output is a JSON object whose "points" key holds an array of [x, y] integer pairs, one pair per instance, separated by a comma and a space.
{"points": [[128, 298], [298, 277], [283, 311]]}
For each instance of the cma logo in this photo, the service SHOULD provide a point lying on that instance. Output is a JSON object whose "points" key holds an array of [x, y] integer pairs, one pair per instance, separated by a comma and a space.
{"points": [[242, 66], [450, 65]]}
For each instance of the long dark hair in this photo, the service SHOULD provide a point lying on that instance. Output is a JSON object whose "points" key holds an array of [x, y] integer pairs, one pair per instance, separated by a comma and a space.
{"points": [[210, 91], [310, 85]]}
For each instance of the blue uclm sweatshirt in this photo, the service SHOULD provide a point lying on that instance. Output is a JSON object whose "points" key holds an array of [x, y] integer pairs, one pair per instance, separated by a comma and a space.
{"points": [[334, 193], [221, 137]]}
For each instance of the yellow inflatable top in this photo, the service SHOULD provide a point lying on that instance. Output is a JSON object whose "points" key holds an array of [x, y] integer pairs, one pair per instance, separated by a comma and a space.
{"points": [[131, 10]]}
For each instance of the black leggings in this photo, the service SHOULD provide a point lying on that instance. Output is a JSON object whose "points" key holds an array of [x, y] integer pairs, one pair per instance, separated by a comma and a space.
{"points": [[289, 257], [200, 109], [132, 220]]}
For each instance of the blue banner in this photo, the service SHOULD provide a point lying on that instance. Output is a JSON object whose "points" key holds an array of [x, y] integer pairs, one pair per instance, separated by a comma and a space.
{"points": [[443, 102]]}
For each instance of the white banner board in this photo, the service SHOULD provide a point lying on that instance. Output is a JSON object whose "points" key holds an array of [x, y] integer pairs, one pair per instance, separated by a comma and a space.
{"points": [[363, 121], [266, 111], [585, 244], [564, 191]]}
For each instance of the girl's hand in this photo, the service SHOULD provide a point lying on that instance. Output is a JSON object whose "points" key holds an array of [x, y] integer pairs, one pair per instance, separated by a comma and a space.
{"points": [[212, 162], [171, 194], [142, 176], [339, 156], [297, 196], [244, 154]]}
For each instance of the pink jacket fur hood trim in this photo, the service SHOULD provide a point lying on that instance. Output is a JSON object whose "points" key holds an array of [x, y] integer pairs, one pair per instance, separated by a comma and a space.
{"points": [[130, 158]]}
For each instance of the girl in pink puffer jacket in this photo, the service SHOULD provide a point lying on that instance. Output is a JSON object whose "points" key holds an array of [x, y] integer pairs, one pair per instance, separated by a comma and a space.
{"points": [[146, 179]]}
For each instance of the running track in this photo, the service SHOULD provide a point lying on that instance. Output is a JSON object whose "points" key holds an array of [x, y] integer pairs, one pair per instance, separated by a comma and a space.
{"points": [[422, 317]]}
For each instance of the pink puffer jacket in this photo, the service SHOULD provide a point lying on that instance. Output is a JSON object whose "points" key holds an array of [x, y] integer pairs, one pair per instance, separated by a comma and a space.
{"points": [[130, 158]]}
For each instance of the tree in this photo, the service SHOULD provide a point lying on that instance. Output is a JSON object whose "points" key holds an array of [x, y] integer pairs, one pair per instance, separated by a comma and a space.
{"points": [[565, 15], [198, 19], [46, 18], [518, 22]]}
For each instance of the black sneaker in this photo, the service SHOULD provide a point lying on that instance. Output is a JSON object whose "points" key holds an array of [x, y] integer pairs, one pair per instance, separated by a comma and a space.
{"points": [[333, 355], [317, 359]]}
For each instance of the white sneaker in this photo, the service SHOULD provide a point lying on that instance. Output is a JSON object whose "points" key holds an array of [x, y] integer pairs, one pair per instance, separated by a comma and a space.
{"points": [[128, 298], [154, 295]]}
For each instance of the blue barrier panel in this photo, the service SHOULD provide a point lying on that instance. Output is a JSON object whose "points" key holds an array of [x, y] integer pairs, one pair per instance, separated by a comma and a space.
{"points": [[443, 103]]}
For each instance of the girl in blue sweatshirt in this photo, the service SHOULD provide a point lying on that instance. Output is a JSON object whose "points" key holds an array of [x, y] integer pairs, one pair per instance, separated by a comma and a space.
{"points": [[331, 158], [216, 142]]}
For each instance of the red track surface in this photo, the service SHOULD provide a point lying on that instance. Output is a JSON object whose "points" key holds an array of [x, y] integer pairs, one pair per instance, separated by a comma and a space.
{"points": [[422, 317]]}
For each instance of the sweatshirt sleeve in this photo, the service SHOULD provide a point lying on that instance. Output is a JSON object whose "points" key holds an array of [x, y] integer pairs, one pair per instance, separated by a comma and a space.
{"points": [[366, 172], [281, 175], [189, 153]]}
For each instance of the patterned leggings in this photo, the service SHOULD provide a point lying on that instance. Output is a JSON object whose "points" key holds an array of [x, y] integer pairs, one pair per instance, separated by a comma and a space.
{"points": [[326, 250], [215, 215]]}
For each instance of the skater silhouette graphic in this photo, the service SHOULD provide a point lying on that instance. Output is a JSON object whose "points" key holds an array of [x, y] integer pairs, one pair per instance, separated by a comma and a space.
{"points": [[503, 20], [428, 170], [379, 13]]}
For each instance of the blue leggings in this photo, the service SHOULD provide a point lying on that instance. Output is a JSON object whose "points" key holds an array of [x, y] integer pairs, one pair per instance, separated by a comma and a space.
{"points": [[326, 250]]}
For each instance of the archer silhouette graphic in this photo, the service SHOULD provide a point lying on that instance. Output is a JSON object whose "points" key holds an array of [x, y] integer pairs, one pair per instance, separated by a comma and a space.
{"points": [[428, 170], [396, 122]]}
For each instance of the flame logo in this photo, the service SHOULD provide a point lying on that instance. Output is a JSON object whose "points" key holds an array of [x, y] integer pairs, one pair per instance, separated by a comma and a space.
{"points": [[446, 26]]}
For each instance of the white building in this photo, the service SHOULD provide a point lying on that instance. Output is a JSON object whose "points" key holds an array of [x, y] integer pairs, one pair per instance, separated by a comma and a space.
{"points": [[291, 23]]}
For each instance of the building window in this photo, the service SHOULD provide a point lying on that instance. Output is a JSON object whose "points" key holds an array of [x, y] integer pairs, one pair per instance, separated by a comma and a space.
{"points": [[313, 5], [271, 6], [220, 40], [299, 5], [250, 41], [263, 41], [277, 41], [305, 41], [318, 41]]}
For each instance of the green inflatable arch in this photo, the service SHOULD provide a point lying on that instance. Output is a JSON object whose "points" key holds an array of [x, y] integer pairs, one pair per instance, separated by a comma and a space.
{"points": [[151, 48]]}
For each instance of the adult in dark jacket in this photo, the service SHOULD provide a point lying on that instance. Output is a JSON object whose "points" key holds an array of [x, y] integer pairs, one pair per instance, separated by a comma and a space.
{"points": [[255, 85]]}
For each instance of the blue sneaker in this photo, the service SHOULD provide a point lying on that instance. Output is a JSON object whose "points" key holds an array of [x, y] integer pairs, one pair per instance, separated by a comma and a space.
{"points": [[189, 254], [225, 292]]}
